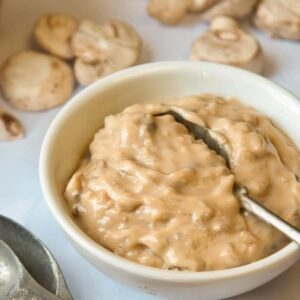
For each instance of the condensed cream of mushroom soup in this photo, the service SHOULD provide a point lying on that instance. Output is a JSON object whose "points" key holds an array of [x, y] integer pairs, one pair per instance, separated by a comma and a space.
{"points": [[152, 193]]}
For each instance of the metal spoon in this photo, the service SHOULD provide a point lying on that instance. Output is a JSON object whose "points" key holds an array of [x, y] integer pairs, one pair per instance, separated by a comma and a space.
{"points": [[15, 281], [35, 257], [247, 202]]}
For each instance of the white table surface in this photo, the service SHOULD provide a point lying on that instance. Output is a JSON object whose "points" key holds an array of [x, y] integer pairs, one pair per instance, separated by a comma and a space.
{"points": [[20, 194]]}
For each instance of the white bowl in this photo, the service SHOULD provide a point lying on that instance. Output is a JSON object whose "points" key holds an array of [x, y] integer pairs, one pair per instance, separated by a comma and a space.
{"points": [[72, 130]]}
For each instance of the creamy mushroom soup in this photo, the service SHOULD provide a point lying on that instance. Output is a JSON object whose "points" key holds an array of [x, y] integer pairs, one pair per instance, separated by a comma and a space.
{"points": [[152, 193]]}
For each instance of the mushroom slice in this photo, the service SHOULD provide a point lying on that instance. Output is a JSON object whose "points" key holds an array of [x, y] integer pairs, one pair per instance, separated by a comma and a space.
{"points": [[233, 8], [280, 18], [53, 33], [34, 81], [10, 127], [197, 6], [227, 43], [104, 49], [168, 11], [87, 73]]}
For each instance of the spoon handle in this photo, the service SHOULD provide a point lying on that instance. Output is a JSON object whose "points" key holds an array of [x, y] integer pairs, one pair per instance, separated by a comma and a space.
{"points": [[266, 215], [29, 294], [29, 289]]}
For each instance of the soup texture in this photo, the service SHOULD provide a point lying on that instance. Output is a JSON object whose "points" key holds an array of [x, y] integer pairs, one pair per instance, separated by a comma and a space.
{"points": [[152, 193]]}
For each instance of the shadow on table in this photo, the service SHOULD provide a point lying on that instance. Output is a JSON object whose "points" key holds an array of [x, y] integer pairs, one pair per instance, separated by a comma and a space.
{"points": [[147, 53], [270, 64], [284, 287], [192, 20]]}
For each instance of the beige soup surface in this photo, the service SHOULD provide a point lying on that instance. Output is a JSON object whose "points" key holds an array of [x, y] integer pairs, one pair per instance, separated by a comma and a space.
{"points": [[152, 193]]}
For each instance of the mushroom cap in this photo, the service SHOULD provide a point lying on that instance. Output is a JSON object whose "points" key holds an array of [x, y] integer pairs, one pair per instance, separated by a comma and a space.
{"points": [[230, 45], [170, 12], [280, 18], [233, 8], [10, 127], [107, 48], [197, 6], [53, 33], [34, 81], [223, 22]]}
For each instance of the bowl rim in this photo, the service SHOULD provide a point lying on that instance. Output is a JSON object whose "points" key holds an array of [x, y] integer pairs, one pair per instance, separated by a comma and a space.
{"points": [[82, 240]]}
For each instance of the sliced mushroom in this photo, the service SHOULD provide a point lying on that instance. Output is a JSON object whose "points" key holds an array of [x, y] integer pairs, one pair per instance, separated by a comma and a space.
{"points": [[10, 127], [227, 43], [197, 6], [53, 33], [87, 73], [168, 11], [104, 49], [34, 81], [232, 8], [280, 18]]}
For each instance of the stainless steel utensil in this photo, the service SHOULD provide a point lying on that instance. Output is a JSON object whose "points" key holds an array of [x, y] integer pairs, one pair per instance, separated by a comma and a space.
{"points": [[35, 257], [15, 281], [247, 202]]}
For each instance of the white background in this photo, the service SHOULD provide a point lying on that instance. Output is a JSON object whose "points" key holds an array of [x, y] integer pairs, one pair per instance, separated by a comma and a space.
{"points": [[20, 193]]}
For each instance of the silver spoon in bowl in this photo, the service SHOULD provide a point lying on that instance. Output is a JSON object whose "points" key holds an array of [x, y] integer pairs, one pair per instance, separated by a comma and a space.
{"points": [[240, 192]]}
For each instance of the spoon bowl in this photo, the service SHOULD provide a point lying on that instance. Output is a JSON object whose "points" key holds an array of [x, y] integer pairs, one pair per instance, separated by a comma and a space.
{"points": [[35, 257], [8, 269], [16, 282]]}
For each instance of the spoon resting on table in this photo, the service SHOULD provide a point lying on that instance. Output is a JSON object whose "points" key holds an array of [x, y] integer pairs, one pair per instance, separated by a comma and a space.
{"points": [[15, 281], [248, 203]]}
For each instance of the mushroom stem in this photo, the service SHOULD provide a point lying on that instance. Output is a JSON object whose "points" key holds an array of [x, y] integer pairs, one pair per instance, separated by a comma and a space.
{"points": [[223, 22]]}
